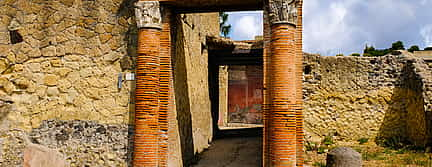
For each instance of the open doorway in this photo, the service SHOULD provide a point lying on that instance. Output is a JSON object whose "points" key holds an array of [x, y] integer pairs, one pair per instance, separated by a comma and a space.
{"points": [[235, 86], [236, 78]]}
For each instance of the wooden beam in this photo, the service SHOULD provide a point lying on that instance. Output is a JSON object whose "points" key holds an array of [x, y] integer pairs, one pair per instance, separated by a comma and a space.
{"points": [[190, 6]]}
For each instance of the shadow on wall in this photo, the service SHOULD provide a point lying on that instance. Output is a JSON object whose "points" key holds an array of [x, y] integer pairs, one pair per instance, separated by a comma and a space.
{"points": [[405, 121], [181, 91], [213, 81], [128, 63]]}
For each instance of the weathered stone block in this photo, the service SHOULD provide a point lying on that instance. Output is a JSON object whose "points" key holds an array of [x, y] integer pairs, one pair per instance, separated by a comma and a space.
{"points": [[49, 51], [51, 80], [8, 86], [344, 157], [41, 156], [4, 64], [53, 91]]}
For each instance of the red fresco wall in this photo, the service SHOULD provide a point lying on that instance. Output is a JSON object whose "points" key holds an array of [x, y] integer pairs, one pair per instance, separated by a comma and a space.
{"points": [[245, 98]]}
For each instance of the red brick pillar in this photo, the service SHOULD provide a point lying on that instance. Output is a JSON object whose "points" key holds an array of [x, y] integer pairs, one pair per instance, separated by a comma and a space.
{"points": [[284, 101], [299, 82], [148, 126], [164, 85]]}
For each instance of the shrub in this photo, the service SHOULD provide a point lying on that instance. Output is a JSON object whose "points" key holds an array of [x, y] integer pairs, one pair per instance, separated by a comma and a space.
{"points": [[398, 45], [328, 140], [311, 146], [321, 150], [355, 54], [363, 140], [413, 48], [367, 55]]}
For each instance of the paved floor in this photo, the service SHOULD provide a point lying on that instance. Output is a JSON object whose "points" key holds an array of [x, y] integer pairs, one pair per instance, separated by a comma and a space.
{"points": [[233, 150]]}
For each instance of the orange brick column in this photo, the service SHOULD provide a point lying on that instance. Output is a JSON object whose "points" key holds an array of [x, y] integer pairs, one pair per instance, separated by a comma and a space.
{"points": [[148, 129], [164, 85], [299, 83], [284, 101]]}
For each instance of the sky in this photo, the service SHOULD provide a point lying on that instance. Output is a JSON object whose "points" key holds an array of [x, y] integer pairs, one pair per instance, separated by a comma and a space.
{"points": [[345, 26]]}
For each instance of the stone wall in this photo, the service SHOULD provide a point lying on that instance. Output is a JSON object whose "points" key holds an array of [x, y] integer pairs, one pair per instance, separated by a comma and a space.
{"points": [[65, 69], [191, 83], [59, 84], [357, 97]]}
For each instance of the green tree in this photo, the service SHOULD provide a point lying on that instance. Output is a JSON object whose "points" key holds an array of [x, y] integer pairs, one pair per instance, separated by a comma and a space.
{"points": [[413, 48], [368, 49], [398, 45], [224, 28], [428, 48]]}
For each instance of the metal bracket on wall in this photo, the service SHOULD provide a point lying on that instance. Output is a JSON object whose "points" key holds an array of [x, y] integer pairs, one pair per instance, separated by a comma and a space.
{"points": [[120, 80]]}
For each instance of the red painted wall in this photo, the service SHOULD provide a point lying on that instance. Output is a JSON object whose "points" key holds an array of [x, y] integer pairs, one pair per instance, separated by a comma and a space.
{"points": [[245, 98]]}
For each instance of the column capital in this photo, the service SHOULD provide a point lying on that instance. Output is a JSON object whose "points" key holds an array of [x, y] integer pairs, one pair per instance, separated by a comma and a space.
{"points": [[148, 14], [283, 11]]}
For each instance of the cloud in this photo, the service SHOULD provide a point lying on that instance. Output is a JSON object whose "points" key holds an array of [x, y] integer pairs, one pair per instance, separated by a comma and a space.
{"points": [[426, 33], [345, 26], [245, 25]]}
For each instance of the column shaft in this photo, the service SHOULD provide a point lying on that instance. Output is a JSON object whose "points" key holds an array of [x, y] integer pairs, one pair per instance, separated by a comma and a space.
{"points": [[299, 89], [147, 127], [283, 81], [164, 82]]}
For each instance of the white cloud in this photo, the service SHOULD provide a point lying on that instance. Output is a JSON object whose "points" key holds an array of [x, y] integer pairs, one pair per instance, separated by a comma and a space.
{"points": [[245, 25], [345, 26], [326, 30], [426, 33], [424, 2]]}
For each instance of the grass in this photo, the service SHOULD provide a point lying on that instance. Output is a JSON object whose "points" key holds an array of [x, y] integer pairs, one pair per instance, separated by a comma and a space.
{"points": [[417, 159], [319, 164], [328, 140], [368, 156], [375, 155]]}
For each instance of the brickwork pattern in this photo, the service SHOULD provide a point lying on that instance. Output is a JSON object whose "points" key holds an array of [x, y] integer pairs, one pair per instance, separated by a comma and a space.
{"points": [[147, 123]]}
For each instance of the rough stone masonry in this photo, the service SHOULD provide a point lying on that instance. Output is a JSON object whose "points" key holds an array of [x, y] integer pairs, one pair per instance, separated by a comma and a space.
{"points": [[379, 97]]}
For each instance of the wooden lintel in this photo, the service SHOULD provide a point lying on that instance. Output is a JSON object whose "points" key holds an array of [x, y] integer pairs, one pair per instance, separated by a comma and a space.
{"points": [[191, 6]]}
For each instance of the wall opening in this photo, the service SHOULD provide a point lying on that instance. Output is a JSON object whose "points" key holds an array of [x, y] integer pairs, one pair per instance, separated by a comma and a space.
{"points": [[15, 37]]}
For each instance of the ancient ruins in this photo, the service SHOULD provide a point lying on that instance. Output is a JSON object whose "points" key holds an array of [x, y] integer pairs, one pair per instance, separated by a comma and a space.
{"points": [[152, 83]]}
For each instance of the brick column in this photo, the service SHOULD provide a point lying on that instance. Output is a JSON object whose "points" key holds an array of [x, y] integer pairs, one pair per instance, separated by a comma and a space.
{"points": [[284, 104], [165, 87], [299, 82], [148, 127]]}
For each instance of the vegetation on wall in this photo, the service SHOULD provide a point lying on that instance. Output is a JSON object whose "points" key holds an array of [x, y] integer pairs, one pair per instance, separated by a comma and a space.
{"points": [[371, 51], [224, 27], [413, 48]]}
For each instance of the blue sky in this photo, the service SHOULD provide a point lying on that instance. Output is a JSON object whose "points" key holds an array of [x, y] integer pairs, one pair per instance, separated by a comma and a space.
{"points": [[346, 26]]}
